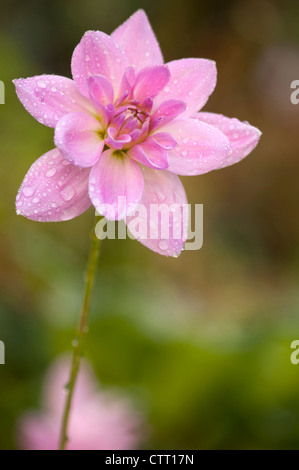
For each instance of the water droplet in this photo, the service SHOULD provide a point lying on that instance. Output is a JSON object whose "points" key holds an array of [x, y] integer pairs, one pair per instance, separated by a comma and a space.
{"points": [[41, 84], [28, 191], [51, 173], [68, 214], [163, 245], [67, 193]]}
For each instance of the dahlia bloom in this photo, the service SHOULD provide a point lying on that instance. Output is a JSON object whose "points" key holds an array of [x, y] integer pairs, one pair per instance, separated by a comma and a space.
{"points": [[125, 126], [99, 420]]}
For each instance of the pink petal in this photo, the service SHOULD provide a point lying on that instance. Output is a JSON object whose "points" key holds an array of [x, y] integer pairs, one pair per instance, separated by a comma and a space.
{"points": [[116, 185], [77, 137], [166, 112], [192, 81], [150, 81], [126, 86], [53, 190], [138, 40], [97, 54], [164, 189], [242, 136], [200, 147], [150, 153], [100, 90], [165, 140], [115, 141], [49, 97]]}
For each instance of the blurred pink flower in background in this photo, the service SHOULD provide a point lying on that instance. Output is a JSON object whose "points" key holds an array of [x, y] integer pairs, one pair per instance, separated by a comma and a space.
{"points": [[99, 420], [125, 127]]}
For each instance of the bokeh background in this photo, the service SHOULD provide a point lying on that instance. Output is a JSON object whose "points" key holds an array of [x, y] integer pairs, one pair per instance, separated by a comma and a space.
{"points": [[201, 344]]}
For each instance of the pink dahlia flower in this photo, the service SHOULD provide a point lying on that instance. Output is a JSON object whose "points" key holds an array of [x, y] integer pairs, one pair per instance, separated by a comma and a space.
{"points": [[99, 420], [125, 126]]}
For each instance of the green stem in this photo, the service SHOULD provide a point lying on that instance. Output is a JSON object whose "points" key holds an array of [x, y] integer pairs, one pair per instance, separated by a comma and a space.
{"points": [[78, 342]]}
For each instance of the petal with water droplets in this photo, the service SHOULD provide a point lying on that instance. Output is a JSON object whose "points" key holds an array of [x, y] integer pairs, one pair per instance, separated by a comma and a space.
{"points": [[98, 54], [115, 185], [138, 40], [192, 81], [242, 136], [53, 190], [77, 137], [200, 147], [49, 97], [162, 215]]}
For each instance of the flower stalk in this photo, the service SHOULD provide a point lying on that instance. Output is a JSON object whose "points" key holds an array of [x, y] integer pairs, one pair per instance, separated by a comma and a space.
{"points": [[78, 343]]}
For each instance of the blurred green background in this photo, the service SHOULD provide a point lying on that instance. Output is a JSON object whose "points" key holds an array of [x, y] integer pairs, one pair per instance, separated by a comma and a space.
{"points": [[200, 343]]}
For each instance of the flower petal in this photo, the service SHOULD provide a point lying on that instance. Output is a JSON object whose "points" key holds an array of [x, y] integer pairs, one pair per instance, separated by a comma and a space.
{"points": [[200, 147], [192, 81], [165, 140], [97, 54], [49, 97], [116, 185], [242, 136], [163, 231], [150, 153], [53, 190], [150, 81], [166, 112], [100, 90], [139, 42], [77, 137]]}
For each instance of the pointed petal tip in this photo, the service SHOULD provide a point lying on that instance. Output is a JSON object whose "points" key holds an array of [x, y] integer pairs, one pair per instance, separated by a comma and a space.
{"points": [[138, 41]]}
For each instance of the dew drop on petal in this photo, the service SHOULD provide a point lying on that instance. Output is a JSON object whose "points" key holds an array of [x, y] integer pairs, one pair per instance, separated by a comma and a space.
{"points": [[68, 214], [163, 245], [51, 173], [41, 84], [67, 193], [28, 191]]}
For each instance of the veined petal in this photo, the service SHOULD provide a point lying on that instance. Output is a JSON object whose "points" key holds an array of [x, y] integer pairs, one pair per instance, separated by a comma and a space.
{"points": [[49, 97], [77, 137], [138, 41], [150, 153], [200, 147], [100, 90], [116, 185], [192, 81], [126, 86], [242, 136], [150, 81], [98, 54], [162, 215], [53, 190], [165, 140], [166, 112]]}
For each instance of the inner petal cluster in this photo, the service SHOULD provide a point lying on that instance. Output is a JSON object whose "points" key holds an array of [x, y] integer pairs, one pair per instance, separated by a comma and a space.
{"points": [[121, 119]]}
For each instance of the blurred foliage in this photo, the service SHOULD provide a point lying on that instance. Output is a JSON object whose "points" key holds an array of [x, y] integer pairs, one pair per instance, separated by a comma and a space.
{"points": [[201, 343]]}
